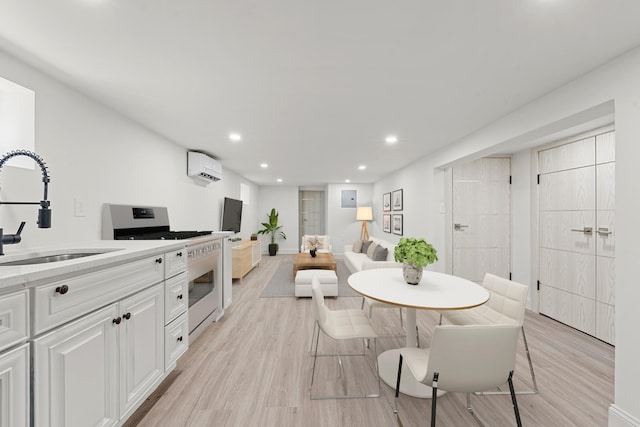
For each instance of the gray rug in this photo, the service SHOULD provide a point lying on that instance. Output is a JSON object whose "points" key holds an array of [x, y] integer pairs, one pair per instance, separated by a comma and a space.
{"points": [[282, 285]]}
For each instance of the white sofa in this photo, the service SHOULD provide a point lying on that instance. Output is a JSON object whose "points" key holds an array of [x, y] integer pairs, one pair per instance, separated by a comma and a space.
{"points": [[323, 240], [360, 261]]}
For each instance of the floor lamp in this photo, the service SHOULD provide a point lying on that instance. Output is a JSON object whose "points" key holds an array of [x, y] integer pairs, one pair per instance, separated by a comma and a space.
{"points": [[364, 214]]}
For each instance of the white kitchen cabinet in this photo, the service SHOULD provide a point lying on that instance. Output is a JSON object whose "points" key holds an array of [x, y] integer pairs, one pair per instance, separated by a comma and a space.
{"points": [[100, 368], [141, 346], [14, 387], [14, 319], [176, 298], [75, 373], [176, 340], [175, 262]]}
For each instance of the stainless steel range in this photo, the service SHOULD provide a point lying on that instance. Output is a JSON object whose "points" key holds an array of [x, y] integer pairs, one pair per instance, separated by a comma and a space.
{"points": [[204, 252]]}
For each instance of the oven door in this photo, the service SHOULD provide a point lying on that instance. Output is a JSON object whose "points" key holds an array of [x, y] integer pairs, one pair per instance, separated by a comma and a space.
{"points": [[205, 279]]}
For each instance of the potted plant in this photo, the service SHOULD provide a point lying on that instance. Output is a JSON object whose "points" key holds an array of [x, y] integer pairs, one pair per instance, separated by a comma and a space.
{"points": [[415, 254], [271, 227]]}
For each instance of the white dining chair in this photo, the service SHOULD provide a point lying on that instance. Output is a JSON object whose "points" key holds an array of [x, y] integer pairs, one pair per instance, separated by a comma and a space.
{"points": [[347, 324], [506, 305], [463, 359]]}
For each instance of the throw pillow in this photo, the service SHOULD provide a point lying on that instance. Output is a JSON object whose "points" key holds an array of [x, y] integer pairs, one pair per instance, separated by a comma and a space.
{"points": [[380, 254], [371, 250], [365, 245], [357, 246]]}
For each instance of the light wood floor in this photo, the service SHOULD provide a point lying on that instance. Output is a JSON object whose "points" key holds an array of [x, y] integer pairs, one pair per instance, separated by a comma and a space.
{"points": [[253, 368]]}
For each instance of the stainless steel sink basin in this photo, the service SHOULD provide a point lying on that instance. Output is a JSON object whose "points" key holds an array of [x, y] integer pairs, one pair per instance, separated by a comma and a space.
{"points": [[56, 257]]}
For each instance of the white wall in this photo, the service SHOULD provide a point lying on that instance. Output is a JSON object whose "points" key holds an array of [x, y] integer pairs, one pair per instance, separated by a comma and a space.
{"points": [[285, 200], [97, 156], [342, 225], [589, 99]]}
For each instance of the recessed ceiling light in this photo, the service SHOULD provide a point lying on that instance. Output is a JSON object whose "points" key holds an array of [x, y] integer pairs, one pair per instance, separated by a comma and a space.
{"points": [[235, 137], [264, 165], [391, 139], [347, 181], [279, 179], [362, 167]]}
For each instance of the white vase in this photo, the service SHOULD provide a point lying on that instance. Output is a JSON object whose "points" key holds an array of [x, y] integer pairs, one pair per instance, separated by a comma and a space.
{"points": [[412, 274]]}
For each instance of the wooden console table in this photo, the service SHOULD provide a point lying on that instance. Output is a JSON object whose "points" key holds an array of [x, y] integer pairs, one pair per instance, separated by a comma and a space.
{"points": [[244, 257]]}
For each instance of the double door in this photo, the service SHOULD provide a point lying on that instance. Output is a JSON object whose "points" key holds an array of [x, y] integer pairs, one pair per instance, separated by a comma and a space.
{"points": [[576, 206]]}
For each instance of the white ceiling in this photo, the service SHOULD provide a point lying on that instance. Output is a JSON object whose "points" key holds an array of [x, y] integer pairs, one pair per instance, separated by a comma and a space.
{"points": [[315, 86]]}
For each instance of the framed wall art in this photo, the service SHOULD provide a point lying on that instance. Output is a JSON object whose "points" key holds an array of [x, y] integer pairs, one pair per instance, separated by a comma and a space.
{"points": [[397, 224], [386, 223], [396, 200], [386, 202]]}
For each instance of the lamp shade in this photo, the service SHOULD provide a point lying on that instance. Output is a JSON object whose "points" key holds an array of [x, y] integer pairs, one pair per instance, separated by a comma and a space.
{"points": [[364, 213]]}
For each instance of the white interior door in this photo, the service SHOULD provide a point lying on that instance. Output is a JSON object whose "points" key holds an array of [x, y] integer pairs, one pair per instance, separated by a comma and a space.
{"points": [[481, 212], [576, 243], [311, 211]]}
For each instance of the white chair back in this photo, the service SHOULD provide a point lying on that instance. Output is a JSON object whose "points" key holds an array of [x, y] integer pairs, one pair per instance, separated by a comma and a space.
{"points": [[319, 308], [507, 297], [472, 358]]}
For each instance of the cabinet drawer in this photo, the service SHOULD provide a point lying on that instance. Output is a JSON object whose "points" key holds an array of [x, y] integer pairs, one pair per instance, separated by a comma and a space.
{"points": [[65, 300], [176, 340], [14, 319], [175, 262], [176, 296]]}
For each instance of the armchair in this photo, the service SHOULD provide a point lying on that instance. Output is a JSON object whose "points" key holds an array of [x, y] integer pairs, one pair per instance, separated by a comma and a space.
{"points": [[323, 242]]}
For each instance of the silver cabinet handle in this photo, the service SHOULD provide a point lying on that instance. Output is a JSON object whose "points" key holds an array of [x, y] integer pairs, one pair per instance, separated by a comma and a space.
{"points": [[604, 231], [585, 230], [459, 226]]}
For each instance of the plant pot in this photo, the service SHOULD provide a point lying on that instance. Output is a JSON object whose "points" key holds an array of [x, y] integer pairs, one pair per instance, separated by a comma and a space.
{"points": [[412, 274], [313, 252], [273, 248]]}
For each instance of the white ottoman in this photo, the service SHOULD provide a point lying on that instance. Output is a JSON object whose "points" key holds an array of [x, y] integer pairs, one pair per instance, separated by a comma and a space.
{"points": [[328, 282]]}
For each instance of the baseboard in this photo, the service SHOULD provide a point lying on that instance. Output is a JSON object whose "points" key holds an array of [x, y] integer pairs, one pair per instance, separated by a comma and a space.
{"points": [[620, 418]]}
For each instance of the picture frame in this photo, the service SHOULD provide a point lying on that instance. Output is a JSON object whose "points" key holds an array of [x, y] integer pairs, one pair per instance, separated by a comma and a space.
{"points": [[386, 202], [397, 224], [396, 200], [386, 222]]}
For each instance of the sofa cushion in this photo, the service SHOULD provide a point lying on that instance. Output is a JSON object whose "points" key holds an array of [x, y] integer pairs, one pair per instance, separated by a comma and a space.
{"points": [[371, 250], [365, 246], [380, 254], [357, 246]]}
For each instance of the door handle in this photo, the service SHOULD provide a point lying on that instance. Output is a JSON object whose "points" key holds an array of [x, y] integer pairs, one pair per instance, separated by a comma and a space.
{"points": [[459, 226], [585, 230], [604, 231]]}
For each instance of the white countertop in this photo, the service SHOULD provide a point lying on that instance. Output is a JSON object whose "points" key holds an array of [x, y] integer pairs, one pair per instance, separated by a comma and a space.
{"points": [[119, 251]]}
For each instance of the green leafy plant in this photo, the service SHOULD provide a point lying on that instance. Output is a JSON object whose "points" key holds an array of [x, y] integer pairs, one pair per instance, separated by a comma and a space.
{"points": [[415, 251], [271, 227]]}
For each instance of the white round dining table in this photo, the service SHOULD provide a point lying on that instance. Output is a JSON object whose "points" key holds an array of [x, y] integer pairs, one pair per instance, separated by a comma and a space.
{"points": [[436, 291]]}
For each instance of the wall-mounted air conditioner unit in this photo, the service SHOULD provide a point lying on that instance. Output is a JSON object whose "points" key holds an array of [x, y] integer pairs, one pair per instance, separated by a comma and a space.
{"points": [[203, 167]]}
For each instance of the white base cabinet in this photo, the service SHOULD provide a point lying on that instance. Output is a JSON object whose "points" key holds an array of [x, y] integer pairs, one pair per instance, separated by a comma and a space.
{"points": [[75, 373], [100, 368], [14, 387]]}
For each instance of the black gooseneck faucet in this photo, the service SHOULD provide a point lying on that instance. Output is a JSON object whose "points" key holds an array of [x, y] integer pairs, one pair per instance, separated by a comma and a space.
{"points": [[44, 213]]}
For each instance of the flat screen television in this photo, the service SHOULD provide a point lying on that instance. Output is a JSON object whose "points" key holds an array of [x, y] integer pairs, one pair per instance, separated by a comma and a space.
{"points": [[231, 215]]}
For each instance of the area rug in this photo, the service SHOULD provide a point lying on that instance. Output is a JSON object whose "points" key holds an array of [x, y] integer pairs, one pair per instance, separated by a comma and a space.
{"points": [[281, 284]]}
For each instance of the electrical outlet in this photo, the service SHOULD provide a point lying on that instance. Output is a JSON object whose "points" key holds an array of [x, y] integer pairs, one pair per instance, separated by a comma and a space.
{"points": [[78, 207]]}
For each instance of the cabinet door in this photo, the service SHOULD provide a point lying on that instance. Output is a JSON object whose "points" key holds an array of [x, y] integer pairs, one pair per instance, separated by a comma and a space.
{"points": [[176, 298], [14, 319], [14, 387], [141, 346], [75, 373]]}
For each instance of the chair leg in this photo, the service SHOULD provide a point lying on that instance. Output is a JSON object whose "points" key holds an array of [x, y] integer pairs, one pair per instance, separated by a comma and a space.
{"points": [[395, 401], [534, 390], [513, 399], [533, 375], [434, 398], [315, 358]]}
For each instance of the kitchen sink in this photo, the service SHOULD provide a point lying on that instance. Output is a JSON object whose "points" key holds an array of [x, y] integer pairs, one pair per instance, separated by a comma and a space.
{"points": [[44, 259]]}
